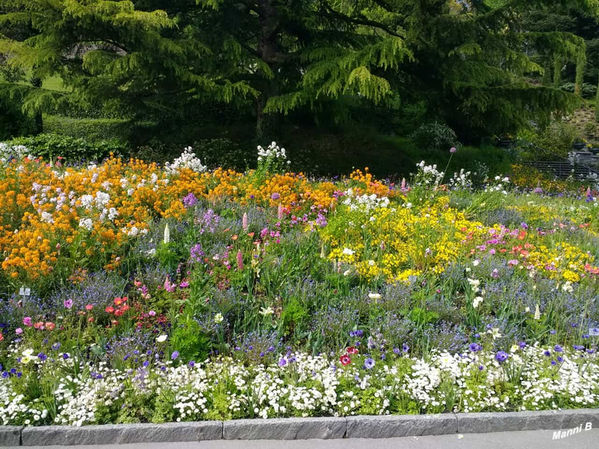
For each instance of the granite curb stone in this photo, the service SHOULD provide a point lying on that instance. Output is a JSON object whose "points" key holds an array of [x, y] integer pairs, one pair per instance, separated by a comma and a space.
{"points": [[387, 426], [392, 426], [122, 433], [285, 429], [527, 420], [10, 435]]}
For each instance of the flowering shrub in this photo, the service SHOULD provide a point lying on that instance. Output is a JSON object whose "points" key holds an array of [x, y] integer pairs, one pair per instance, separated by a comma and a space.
{"points": [[118, 279]]}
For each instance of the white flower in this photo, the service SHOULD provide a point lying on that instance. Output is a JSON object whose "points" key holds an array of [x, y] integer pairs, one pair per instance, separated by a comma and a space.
{"points": [[476, 301], [161, 338], [218, 318], [374, 296], [167, 234], [265, 311], [348, 251], [86, 223], [537, 313], [476, 262]]}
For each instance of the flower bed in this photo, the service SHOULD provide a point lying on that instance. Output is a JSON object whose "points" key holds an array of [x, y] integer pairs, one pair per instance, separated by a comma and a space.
{"points": [[135, 293]]}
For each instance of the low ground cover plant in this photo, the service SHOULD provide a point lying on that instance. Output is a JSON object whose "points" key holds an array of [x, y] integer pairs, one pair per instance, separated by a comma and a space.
{"points": [[133, 292]]}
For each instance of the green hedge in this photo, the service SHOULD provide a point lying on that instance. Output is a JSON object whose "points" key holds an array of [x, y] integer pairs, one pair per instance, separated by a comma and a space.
{"points": [[87, 128], [50, 146]]}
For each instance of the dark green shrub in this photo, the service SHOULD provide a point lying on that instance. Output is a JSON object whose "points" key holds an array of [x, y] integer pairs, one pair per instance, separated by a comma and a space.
{"points": [[435, 135], [87, 128], [50, 146]]}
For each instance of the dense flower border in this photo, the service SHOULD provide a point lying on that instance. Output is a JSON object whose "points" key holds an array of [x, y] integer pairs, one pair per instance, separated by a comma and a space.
{"points": [[301, 385]]}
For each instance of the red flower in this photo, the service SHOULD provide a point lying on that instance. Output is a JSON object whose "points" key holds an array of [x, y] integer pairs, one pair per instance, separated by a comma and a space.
{"points": [[118, 301], [125, 307], [1, 337], [50, 325], [345, 360], [352, 350], [109, 309], [89, 307]]}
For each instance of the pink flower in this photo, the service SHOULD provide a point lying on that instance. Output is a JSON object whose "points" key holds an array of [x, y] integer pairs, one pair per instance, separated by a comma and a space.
{"points": [[18, 331], [68, 303], [453, 150], [89, 307], [239, 260], [152, 313], [244, 221], [168, 286], [512, 262], [27, 321]]}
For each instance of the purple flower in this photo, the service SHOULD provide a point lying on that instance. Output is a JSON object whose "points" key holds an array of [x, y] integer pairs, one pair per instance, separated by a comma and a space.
{"points": [[191, 364], [453, 150], [282, 362], [546, 353], [558, 348], [475, 347], [65, 356], [190, 200], [42, 356], [578, 347], [396, 350], [522, 345], [68, 303], [275, 196], [174, 355], [480, 367], [501, 356], [56, 346], [405, 347], [369, 363]]}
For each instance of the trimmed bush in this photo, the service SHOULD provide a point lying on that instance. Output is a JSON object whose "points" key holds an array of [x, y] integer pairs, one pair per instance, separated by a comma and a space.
{"points": [[87, 128], [50, 146]]}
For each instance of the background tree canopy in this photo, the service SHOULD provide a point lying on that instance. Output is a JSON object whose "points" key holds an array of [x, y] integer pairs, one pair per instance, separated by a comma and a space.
{"points": [[171, 67]]}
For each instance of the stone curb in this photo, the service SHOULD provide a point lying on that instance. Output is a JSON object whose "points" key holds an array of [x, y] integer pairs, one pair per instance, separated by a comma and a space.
{"points": [[121, 433], [285, 429], [388, 426], [10, 435]]}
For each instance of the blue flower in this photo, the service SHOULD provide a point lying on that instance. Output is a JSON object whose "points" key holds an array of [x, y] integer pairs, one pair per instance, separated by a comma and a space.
{"points": [[369, 363], [501, 356], [191, 364], [475, 347], [405, 347], [174, 355], [42, 356], [578, 347], [558, 348]]}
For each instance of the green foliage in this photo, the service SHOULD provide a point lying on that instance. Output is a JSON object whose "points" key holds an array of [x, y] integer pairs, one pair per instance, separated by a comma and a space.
{"points": [[190, 340], [50, 146], [435, 135], [555, 141], [586, 91], [89, 128]]}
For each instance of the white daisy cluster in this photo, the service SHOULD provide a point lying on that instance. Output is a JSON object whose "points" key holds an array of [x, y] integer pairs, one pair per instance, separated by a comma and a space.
{"points": [[364, 203], [498, 184], [10, 152], [273, 151], [461, 180], [525, 378], [188, 159], [427, 175]]}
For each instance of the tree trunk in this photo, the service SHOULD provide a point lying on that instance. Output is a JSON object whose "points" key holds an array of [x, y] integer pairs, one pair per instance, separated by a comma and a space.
{"points": [[268, 50]]}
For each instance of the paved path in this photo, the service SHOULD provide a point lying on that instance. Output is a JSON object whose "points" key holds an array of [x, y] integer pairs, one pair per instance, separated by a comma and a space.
{"points": [[538, 439]]}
